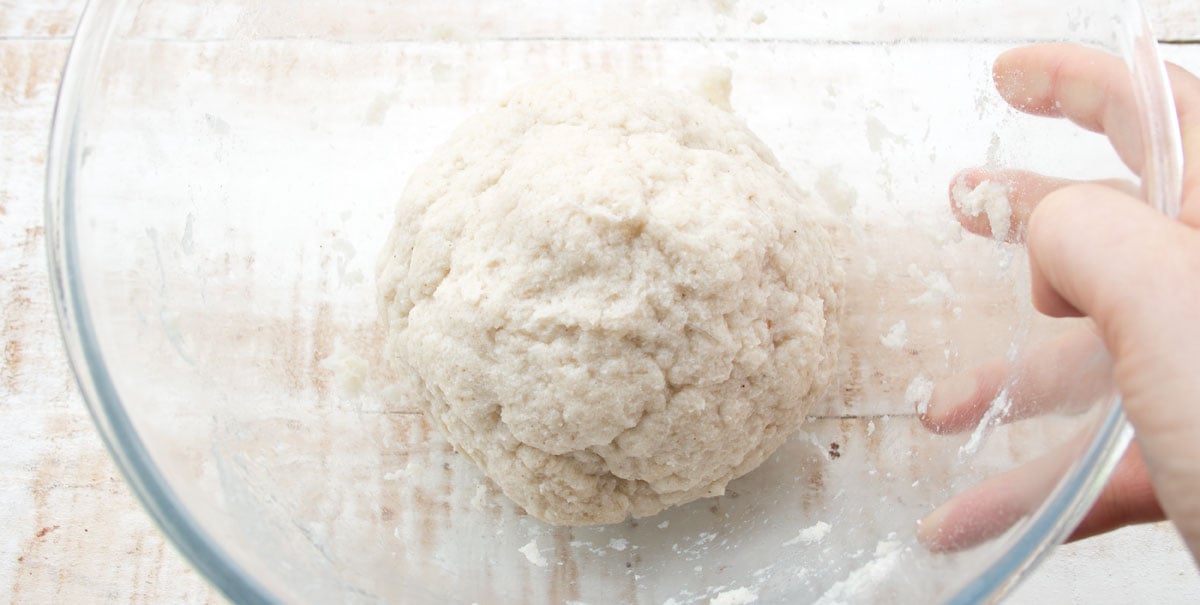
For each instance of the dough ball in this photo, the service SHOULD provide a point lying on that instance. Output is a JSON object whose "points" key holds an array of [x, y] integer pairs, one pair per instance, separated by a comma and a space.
{"points": [[610, 297]]}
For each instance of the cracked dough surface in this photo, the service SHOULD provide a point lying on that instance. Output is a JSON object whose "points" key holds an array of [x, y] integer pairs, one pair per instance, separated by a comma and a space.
{"points": [[610, 297]]}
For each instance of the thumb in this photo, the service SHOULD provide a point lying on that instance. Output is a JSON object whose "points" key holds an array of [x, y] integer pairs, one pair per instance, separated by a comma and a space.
{"points": [[1098, 252]]}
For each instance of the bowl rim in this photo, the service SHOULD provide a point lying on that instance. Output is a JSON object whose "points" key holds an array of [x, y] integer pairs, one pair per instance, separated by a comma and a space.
{"points": [[1046, 528]]}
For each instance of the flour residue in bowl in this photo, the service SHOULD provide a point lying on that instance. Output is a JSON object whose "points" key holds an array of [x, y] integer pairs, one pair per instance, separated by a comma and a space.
{"points": [[533, 554], [737, 596], [811, 535], [867, 576]]}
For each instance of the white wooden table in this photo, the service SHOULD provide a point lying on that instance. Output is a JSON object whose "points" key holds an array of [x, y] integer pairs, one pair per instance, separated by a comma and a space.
{"points": [[71, 532]]}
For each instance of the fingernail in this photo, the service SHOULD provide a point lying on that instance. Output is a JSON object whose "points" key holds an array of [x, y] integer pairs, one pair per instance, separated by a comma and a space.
{"points": [[929, 529], [951, 393]]}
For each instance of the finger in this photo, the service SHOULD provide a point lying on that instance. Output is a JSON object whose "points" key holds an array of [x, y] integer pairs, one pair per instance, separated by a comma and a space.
{"points": [[1134, 272], [1093, 89], [960, 402], [993, 506], [1090, 87], [1033, 384], [1020, 190], [1088, 244], [1127, 498], [1186, 89]]}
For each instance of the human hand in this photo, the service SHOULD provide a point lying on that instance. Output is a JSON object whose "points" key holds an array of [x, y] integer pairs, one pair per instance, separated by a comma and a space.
{"points": [[1098, 252]]}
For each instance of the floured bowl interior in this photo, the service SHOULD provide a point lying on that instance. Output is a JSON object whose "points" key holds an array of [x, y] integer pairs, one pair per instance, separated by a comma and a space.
{"points": [[223, 179]]}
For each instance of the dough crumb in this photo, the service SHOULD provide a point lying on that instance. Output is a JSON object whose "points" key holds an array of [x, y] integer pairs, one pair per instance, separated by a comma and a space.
{"points": [[532, 553], [866, 577], [715, 85], [811, 535], [737, 596], [988, 197], [896, 337], [758, 18], [938, 290], [918, 393], [349, 370], [479, 500], [618, 544]]}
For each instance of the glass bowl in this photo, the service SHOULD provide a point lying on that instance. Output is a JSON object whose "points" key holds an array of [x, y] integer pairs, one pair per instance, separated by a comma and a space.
{"points": [[223, 175]]}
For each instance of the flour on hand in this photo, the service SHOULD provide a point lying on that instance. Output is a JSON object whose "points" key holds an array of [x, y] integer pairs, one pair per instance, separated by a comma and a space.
{"points": [[988, 197]]}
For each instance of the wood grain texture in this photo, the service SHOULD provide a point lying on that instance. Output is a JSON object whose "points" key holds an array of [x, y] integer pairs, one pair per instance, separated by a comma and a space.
{"points": [[65, 513], [40, 19], [1177, 20], [69, 529], [1174, 20], [847, 20]]}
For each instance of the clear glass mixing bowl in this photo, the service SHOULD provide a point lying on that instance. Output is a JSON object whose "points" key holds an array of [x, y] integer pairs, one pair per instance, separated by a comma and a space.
{"points": [[223, 174]]}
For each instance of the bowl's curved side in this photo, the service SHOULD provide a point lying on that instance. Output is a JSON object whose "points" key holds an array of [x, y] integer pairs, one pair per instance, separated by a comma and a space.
{"points": [[1162, 181], [75, 321], [1058, 516]]}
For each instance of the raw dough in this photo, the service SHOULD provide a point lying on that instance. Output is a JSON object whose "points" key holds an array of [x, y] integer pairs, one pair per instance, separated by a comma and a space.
{"points": [[988, 197], [610, 297]]}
